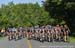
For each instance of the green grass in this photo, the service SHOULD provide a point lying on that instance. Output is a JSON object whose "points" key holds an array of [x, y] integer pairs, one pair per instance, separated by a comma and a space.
{"points": [[72, 39], [0, 37]]}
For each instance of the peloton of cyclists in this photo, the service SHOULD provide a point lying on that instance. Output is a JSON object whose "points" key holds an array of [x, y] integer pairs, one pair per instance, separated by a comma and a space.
{"points": [[43, 33]]}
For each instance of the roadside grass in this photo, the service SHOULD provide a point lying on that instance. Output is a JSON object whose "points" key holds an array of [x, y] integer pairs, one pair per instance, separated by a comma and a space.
{"points": [[0, 37], [72, 39]]}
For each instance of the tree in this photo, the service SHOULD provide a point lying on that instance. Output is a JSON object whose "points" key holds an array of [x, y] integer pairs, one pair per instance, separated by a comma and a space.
{"points": [[12, 15], [62, 10]]}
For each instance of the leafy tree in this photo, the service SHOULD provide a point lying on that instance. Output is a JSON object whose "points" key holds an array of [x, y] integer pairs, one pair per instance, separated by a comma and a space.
{"points": [[62, 10], [12, 15]]}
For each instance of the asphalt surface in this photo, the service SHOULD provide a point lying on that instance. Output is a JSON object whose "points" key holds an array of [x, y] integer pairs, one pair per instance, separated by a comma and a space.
{"points": [[24, 43]]}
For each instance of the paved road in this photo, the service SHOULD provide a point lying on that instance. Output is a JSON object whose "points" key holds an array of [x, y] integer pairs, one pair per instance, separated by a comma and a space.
{"points": [[24, 43]]}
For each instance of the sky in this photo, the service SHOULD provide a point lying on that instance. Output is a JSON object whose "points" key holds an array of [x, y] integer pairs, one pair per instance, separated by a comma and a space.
{"points": [[20, 1]]}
